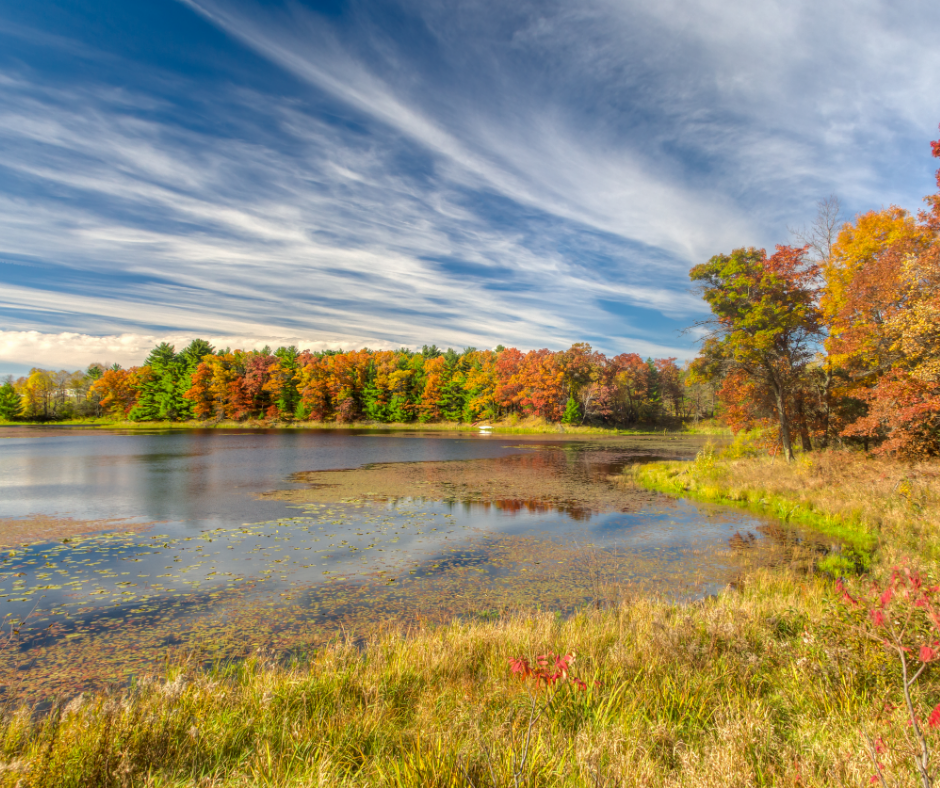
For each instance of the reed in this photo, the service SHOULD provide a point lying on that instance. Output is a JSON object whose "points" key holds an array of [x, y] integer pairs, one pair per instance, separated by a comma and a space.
{"points": [[774, 682], [764, 686]]}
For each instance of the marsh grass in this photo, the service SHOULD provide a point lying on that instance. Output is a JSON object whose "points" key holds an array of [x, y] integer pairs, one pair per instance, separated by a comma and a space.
{"points": [[875, 504], [766, 686], [512, 426], [769, 684]]}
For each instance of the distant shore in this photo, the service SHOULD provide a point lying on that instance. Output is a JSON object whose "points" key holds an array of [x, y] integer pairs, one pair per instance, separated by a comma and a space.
{"points": [[533, 426]]}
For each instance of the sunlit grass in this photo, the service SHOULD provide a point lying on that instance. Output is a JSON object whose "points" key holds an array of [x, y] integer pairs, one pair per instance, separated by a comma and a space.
{"points": [[515, 426], [767, 686], [871, 502]]}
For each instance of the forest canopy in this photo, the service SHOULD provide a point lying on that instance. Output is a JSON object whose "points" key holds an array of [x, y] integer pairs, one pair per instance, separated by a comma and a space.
{"points": [[575, 386]]}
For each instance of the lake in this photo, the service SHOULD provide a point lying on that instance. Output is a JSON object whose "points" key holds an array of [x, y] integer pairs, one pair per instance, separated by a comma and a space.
{"points": [[146, 546]]}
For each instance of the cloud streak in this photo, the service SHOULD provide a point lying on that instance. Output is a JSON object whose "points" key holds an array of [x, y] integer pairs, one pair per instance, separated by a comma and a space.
{"points": [[533, 174]]}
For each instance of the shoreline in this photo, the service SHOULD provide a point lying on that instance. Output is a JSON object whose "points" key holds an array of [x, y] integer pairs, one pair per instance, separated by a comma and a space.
{"points": [[871, 504], [522, 427], [769, 682]]}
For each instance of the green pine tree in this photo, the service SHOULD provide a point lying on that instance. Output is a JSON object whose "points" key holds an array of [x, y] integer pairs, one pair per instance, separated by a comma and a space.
{"points": [[10, 403], [160, 398], [453, 395], [190, 358], [572, 412], [289, 398], [373, 399]]}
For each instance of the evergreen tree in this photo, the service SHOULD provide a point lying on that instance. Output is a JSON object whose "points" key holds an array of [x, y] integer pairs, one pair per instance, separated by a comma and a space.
{"points": [[288, 398], [10, 403], [160, 398], [572, 412], [453, 396], [190, 358], [373, 400], [93, 397]]}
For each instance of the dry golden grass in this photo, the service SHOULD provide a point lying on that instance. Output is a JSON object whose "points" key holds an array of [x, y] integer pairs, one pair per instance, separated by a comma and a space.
{"points": [[770, 684], [765, 686], [875, 502]]}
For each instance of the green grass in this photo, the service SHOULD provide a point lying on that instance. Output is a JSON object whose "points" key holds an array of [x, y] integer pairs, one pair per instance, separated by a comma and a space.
{"points": [[706, 482], [510, 426], [766, 686], [877, 506], [770, 684]]}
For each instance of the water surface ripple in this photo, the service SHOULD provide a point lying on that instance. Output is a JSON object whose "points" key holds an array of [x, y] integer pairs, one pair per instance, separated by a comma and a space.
{"points": [[220, 542]]}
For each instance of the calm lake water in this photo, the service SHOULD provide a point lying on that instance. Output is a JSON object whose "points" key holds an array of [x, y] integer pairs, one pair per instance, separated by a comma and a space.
{"points": [[201, 562]]}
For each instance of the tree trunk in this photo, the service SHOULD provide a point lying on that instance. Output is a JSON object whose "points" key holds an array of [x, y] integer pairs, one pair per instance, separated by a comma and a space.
{"points": [[804, 430], [783, 420], [827, 403]]}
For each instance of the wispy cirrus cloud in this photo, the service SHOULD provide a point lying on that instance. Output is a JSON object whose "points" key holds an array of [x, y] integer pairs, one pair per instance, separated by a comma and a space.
{"points": [[532, 174]]}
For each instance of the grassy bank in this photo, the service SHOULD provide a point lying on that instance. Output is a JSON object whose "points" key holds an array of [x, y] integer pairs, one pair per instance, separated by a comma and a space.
{"points": [[529, 426], [772, 683], [875, 504], [751, 688]]}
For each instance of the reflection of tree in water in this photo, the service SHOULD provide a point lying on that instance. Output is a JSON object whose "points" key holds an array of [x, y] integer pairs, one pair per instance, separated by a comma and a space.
{"points": [[478, 574], [512, 506], [576, 481]]}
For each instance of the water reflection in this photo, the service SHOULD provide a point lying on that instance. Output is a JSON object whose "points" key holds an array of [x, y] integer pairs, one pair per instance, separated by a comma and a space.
{"points": [[260, 545]]}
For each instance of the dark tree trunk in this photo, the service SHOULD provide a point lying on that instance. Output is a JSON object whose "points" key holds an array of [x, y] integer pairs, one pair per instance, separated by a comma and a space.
{"points": [[827, 405], [782, 419], [804, 430]]}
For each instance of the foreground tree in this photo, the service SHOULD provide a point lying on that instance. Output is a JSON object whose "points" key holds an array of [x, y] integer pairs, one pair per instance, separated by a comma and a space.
{"points": [[883, 305], [767, 324]]}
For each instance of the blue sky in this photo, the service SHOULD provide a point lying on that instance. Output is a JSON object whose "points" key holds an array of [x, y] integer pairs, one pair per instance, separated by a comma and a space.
{"points": [[379, 174]]}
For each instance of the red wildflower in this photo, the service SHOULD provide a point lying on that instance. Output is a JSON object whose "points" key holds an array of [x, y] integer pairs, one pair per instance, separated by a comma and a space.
{"points": [[933, 720]]}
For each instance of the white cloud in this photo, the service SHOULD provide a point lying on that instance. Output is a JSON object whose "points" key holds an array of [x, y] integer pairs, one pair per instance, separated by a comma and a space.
{"points": [[70, 350], [495, 184]]}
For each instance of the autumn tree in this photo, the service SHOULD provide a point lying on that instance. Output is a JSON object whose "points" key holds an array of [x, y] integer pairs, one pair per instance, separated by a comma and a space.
{"points": [[118, 389], [435, 368], [190, 358], [281, 386], [218, 387], [314, 388], [631, 380], [479, 380], [883, 300], [766, 321], [35, 393], [868, 282]]}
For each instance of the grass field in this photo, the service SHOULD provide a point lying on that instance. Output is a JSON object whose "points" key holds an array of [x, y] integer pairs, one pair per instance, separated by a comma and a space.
{"points": [[513, 426], [774, 682], [764, 686]]}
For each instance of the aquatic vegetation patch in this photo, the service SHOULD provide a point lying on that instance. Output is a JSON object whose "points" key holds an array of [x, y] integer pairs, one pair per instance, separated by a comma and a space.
{"points": [[39, 528], [109, 609]]}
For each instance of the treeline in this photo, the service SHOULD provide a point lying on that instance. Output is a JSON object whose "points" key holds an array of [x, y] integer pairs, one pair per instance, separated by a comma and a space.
{"points": [[835, 340], [575, 386]]}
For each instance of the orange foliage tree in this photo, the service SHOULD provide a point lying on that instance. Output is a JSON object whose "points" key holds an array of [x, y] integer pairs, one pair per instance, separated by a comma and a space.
{"points": [[117, 389], [767, 325], [882, 304]]}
